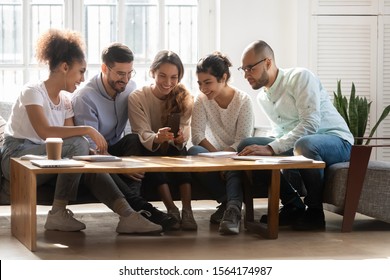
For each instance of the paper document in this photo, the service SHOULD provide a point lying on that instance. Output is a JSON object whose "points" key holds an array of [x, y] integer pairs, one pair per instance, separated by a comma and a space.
{"points": [[275, 159], [28, 157], [218, 154]]}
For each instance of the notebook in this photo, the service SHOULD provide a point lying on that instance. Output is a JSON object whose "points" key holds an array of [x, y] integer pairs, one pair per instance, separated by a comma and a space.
{"points": [[45, 163], [95, 158]]}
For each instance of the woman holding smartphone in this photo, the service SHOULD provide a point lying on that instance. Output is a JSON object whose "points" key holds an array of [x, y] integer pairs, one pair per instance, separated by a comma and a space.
{"points": [[153, 111]]}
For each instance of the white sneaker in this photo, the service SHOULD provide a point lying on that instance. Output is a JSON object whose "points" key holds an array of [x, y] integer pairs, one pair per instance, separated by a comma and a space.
{"points": [[63, 220], [136, 223]]}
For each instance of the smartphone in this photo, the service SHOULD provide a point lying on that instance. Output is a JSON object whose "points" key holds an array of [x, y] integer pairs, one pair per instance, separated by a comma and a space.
{"points": [[174, 123]]}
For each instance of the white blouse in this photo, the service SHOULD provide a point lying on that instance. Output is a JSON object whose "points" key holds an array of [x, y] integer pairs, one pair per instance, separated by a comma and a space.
{"points": [[222, 127]]}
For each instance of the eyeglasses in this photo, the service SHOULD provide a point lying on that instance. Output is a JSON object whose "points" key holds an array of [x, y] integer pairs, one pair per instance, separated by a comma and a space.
{"points": [[122, 75], [249, 68]]}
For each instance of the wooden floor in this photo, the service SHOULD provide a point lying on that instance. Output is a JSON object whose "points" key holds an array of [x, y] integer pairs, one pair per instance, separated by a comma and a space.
{"points": [[369, 240]]}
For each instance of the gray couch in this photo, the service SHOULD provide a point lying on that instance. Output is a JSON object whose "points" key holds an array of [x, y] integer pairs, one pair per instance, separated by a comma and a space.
{"points": [[361, 185], [374, 200]]}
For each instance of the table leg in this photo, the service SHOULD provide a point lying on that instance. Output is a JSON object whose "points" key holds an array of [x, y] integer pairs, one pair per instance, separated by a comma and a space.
{"points": [[271, 229], [248, 197], [23, 205], [273, 205]]}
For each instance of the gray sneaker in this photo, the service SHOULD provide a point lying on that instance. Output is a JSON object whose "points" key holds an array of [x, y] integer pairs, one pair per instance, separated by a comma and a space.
{"points": [[136, 223], [230, 223], [216, 217], [63, 220]]}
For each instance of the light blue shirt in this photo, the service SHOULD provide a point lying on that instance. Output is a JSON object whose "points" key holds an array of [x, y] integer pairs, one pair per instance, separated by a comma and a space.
{"points": [[297, 105], [94, 107]]}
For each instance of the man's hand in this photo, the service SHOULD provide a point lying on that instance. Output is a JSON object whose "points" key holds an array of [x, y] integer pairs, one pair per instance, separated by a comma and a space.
{"points": [[257, 150]]}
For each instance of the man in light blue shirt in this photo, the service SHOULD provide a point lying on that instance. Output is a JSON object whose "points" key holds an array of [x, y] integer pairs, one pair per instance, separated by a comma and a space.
{"points": [[103, 104], [304, 122]]}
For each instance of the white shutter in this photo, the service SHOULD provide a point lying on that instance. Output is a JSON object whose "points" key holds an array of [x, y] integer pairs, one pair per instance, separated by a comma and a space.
{"points": [[345, 7], [383, 96], [385, 7], [345, 48]]}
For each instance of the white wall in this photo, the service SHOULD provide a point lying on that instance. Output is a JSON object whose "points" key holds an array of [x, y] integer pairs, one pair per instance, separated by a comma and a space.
{"points": [[242, 22]]}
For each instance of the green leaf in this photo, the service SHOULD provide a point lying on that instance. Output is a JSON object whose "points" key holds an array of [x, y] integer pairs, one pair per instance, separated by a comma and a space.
{"points": [[385, 113], [353, 112], [341, 103], [363, 113], [356, 112]]}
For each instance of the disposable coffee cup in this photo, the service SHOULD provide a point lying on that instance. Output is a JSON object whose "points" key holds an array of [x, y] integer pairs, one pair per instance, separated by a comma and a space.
{"points": [[53, 148]]}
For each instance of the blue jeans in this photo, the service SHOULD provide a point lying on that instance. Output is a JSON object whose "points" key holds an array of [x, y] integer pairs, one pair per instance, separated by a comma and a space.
{"points": [[328, 148], [223, 187], [101, 185]]}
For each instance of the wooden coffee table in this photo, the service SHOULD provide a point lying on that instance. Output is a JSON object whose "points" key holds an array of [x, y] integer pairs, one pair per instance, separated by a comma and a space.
{"points": [[24, 188]]}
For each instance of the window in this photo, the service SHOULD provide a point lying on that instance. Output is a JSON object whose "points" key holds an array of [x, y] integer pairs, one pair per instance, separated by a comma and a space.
{"points": [[146, 26]]}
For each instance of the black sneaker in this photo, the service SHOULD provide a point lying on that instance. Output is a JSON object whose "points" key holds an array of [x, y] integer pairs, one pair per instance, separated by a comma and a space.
{"points": [[161, 218], [312, 219], [288, 214], [216, 217], [230, 223]]}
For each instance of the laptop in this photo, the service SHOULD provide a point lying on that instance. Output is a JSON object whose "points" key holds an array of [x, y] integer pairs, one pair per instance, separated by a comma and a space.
{"points": [[51, 163]]}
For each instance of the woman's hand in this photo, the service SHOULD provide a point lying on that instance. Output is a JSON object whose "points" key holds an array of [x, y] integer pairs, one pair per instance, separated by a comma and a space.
{"points": [[101, 143], [179, 140], [163, 135]]}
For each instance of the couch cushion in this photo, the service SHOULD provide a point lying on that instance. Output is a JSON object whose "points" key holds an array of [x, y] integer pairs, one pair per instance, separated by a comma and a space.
{"points": [[2, 126], [5, 109], [375, 197]]}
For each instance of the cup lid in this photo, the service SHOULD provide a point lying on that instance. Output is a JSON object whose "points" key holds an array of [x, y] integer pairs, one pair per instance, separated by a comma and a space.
{"points": [[53, 140]]}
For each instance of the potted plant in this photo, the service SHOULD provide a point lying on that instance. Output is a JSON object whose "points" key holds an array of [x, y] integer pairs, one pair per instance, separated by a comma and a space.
{"points": [[355, 112]]}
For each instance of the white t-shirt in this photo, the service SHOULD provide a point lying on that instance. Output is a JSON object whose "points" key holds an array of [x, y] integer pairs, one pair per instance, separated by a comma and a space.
{"points": [[19, 125]]}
